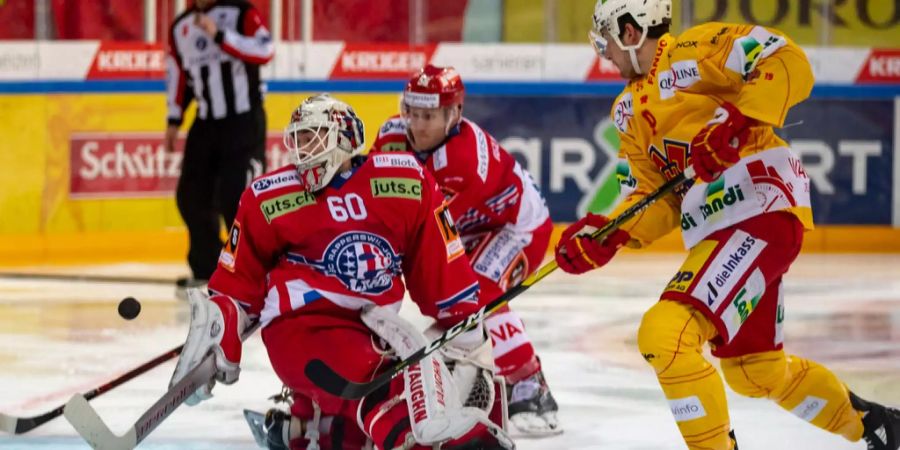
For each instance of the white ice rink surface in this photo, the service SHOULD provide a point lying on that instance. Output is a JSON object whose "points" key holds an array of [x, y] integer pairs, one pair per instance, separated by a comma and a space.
{"points": [[57, 338]]}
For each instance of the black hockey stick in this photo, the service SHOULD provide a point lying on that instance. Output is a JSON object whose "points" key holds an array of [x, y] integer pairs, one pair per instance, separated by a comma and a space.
{"points": [[84, 278], [332, 382], [91, 427], [19, 425]]}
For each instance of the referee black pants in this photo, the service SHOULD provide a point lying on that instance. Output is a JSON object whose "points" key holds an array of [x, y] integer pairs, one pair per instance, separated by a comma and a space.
{"points": [[220, 158]]}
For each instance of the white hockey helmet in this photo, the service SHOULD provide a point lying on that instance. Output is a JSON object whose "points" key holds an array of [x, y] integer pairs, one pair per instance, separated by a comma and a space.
{"points": [[647, 13], [337, 136]]}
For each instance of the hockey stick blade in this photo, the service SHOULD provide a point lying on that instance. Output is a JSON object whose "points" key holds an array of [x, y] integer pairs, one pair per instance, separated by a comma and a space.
{"points": [[88, 424], [9, 424], [334, 383], [19, 425]]}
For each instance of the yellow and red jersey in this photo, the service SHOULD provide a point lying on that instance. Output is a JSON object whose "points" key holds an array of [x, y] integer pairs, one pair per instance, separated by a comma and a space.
{"points": [[762, 73]]}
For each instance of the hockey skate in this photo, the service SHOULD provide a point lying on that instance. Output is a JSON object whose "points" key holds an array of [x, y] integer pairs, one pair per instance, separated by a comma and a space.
{"points": [[532, 408], [881, 424], [271, 430], [733, 439]]}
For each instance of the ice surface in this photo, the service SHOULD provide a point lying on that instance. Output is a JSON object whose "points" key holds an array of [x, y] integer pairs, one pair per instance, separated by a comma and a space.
{"points": [[60, 337]]}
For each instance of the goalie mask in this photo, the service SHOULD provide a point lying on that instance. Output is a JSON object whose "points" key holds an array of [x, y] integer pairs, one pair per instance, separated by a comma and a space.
{"points": [[647, 13], [324, 133]]}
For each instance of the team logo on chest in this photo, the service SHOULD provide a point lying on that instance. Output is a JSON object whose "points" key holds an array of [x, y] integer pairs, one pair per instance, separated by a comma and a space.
{"points": [[364, 262], [671, 160]]}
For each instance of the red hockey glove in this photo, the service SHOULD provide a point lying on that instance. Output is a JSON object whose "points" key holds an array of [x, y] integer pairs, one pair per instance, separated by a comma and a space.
{"points": [[717, 146], [577, 252]]}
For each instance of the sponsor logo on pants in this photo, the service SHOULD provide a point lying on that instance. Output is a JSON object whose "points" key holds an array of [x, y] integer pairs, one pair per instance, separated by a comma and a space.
{"points": [[721, 276], [744, 302], [686, 275], [809, 408], [688, 408]]}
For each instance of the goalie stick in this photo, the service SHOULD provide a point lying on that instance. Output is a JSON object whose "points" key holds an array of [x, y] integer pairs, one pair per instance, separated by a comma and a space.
{"points": [[19, 425], [334, 383], [91, 427]]}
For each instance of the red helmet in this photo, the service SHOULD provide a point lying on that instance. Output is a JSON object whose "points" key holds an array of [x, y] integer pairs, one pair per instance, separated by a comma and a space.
{"points": [[434, 87]]}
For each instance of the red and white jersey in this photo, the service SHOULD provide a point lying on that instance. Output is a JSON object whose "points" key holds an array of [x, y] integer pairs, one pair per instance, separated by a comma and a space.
{"points": [[486, 187], [350, 245]]}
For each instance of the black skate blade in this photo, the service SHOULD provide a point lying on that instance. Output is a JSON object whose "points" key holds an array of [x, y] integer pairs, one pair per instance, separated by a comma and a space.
{"points": [[257, 421]]}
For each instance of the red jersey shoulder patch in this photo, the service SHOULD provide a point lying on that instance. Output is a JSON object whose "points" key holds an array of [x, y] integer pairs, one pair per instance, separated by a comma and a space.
{"points": [[228, 255], [449, 232]]}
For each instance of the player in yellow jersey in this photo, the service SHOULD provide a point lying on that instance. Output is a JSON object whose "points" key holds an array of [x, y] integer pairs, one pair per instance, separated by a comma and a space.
{"points": [[710, 98]]}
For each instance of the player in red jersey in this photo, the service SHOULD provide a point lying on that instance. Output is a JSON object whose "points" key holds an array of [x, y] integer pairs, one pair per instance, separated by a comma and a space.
{"points": [[321, 254], [501, 216]]}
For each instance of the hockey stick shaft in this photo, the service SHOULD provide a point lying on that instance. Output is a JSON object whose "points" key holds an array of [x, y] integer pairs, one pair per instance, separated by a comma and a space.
{"points": [[91, 427], [84, 278], [330, 381], [19, 425]]}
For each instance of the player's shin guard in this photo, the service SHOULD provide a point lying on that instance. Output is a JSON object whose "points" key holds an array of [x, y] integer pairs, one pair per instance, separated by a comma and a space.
{"points": [[385, 416], [424, 407], [671, 339], [532, 408], [513, 352], [803, 387]]}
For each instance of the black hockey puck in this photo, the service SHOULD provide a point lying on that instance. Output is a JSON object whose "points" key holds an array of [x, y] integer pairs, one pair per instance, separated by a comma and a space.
{"points": [[129, 308]]}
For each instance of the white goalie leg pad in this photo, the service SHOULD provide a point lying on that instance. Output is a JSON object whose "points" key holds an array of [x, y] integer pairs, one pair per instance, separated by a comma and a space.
{"points": [[437, 416], [472, 360], [435, 409]]}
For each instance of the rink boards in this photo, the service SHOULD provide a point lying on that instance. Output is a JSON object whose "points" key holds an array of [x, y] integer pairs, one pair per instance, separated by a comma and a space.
{"points": [[86, 170]]}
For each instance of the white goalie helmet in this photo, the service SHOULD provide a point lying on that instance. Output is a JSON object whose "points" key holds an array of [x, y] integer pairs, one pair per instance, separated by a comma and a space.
{"points": [[647, 13], [323, 134]]}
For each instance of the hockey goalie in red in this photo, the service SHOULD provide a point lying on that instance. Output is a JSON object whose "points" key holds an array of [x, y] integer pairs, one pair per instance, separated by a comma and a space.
{"points": [[322, 254], [500, 214]]}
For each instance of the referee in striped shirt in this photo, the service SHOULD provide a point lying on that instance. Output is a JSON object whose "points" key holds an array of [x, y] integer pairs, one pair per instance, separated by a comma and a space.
{"points": [[216, 50]]}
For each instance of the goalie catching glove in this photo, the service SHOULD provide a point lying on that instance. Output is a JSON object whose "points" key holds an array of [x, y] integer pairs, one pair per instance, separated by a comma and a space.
{"points": [[217, 323]]}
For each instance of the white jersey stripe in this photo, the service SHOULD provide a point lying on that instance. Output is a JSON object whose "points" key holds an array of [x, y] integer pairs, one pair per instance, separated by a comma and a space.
{"points": [[216, 94], [241, 88]]}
